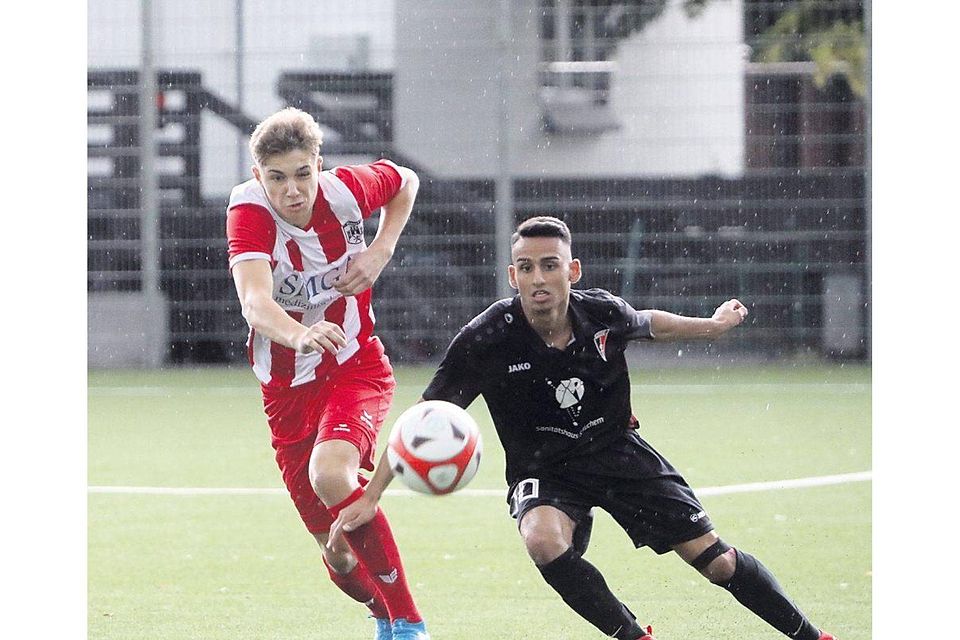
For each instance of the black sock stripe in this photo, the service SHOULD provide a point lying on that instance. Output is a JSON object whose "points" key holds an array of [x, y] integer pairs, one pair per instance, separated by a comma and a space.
{"points": [[710, 554], [560, 560]]}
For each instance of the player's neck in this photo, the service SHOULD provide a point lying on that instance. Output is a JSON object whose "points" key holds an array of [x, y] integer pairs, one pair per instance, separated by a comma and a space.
{"points": [[301, 221], [553, 327]]}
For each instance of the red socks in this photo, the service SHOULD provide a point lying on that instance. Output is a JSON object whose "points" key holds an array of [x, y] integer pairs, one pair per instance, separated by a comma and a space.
{"points": [[358, 585], [377, 553]]}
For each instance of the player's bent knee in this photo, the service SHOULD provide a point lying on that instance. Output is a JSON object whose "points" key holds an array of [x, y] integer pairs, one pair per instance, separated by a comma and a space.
{"points": [[544, 547], [333, 477], [331, 485], [547, 533], [722, 568], [341, 562], [717, 563]]}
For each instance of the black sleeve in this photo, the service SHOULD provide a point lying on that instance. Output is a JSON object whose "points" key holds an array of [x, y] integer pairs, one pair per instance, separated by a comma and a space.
{"points": [[635, 324], [456, 380]]}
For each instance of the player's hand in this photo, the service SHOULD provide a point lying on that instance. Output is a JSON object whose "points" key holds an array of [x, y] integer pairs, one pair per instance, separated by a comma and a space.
{"points": [[353, 516], [362, 271], [321, 336], [730, 313]]}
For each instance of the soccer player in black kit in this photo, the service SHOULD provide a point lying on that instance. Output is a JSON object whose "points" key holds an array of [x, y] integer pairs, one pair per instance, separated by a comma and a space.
{"points": [[550, 365]]}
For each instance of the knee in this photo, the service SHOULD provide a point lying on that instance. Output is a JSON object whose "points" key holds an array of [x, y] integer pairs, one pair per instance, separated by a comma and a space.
{"points": [[544, 547], [328, 480], [717, 563], [336, 561], [333, 470], [721, 568], [341, 563]]}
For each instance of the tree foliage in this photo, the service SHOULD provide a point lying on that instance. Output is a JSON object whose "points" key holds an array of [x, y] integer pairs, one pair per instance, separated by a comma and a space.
{"points": [[621, 18], [804, 33]]}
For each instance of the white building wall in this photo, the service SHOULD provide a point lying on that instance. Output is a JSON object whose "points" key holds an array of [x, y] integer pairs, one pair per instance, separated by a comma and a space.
{"points": [[278, 35], [446, 85], [678, 95]]}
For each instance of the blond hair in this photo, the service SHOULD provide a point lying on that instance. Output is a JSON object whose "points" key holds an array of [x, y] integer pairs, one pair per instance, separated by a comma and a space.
{"points": [[284, 131]]}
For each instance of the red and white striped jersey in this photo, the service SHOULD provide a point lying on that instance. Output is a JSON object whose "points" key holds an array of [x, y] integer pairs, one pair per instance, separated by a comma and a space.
{"points": [[306, 263]]}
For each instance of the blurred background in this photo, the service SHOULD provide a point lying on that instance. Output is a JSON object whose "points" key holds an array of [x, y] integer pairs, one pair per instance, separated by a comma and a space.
{"points": [[698, 149]]}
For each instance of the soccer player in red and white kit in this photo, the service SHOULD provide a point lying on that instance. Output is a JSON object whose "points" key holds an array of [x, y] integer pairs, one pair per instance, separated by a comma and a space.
{"points": [[304, 273]]}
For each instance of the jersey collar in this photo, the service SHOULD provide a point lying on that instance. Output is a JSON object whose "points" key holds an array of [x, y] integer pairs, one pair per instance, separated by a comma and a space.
{"points": [[578, 326]]}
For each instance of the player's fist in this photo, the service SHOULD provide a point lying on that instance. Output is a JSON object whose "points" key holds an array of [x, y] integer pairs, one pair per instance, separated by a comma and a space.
{"points": [[363, 269], [730, 313], [319, 337]]}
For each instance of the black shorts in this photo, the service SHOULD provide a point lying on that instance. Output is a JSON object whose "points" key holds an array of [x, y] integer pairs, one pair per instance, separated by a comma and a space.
{"points": [[629, 480]]}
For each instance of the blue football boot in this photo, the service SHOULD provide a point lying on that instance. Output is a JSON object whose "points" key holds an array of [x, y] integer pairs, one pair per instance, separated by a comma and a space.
{"points": [[384, 629], [403, 630]]}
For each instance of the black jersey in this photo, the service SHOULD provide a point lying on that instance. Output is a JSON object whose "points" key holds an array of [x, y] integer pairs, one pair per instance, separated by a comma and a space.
{"points": [[548, 405]]}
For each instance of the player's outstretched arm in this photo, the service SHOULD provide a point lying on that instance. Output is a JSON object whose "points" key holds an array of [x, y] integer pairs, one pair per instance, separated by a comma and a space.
{"points": [[364, 509], [670, 326], [366, 267], [254, 282]]}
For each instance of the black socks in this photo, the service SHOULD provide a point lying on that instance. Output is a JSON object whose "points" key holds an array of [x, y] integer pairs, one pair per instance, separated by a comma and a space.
{"points": [[755, 588], [585, 591]]}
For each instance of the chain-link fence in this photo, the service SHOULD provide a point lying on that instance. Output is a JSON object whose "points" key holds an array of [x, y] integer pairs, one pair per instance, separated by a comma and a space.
{"points": [[699, 150]]}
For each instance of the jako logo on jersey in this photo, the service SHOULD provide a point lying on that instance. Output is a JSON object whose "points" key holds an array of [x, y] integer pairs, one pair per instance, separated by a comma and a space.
{"points": [[389, 578], [520, 366], [569, 392], [600, 341], [353, 232], [366, 418], [694, 517]]}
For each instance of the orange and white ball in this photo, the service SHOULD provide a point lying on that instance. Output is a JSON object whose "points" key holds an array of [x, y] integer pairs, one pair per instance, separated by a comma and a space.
{"points": [[435, 447]]}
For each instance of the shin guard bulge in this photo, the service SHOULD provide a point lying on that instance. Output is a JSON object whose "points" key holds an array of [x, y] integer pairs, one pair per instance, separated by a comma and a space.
{"points": [[376, 551], [359, 586], [755, 588]]}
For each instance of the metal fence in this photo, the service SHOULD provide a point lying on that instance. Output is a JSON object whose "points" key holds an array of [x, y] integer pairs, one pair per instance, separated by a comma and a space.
{"points": [[782, 222]]}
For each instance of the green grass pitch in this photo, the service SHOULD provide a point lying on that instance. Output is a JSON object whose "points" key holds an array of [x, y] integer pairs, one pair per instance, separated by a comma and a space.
{"points": [[242, 566]]}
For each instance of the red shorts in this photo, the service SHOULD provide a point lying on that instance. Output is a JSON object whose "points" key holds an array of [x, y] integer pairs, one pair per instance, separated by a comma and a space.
{"points": [[350, 405]]}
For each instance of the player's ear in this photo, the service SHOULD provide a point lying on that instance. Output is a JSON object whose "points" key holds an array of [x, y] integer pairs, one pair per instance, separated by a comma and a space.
{"points": [[319, 163], [256, 172], [512, 276], [575, 271]]}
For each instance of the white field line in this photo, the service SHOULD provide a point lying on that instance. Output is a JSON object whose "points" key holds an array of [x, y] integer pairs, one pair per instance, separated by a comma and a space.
{"points": [[797, 483], [776, 485], [706, 389], [654, 389]]}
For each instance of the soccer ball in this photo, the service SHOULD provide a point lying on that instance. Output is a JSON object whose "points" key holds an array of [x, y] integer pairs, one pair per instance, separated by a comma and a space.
{"points": [[434, 447]]}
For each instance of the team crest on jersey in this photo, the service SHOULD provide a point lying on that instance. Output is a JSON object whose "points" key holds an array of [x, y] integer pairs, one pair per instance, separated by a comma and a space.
{"points": [[353, 231], [569, 392], [600, 342]]}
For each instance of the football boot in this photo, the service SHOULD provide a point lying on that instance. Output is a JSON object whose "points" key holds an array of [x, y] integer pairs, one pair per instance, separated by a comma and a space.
{"points": [[384, 629], [648, 635], [403, 630]]}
